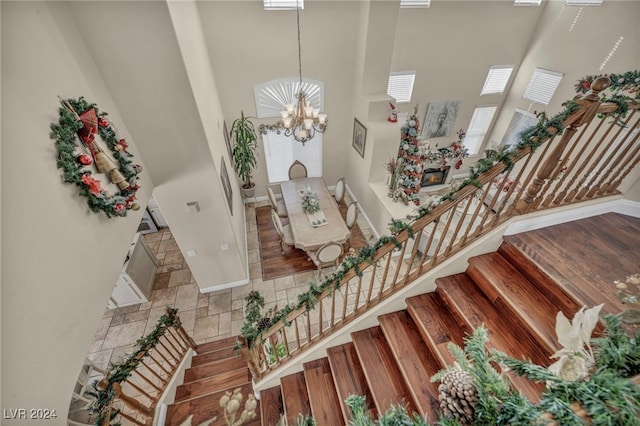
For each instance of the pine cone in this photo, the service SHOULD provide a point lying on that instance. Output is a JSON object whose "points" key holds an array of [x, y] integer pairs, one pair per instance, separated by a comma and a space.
{"points": [[264, 323], [458, 396]]}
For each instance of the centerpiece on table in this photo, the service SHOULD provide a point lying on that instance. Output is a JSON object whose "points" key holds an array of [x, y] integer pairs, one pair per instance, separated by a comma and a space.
{"points": [[311, 206]]}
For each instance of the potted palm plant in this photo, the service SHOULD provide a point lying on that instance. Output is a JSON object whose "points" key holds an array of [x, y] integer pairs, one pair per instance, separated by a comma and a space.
{"points": [[243, 135]]}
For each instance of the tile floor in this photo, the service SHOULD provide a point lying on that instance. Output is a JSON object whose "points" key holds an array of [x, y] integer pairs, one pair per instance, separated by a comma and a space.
{"points": [[206, 317]]}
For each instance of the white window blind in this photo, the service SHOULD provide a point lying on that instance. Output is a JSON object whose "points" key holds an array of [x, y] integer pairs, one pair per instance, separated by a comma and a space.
{"points": [[281, 151], [400, 85], [542, 86], [282, 4], [415, 3], [521, 121], [478, 126], [497, 79], [583, 2], [273, 95], [527, 2]]}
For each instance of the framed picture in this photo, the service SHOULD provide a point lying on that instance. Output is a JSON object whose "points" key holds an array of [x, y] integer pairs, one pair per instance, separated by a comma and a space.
{"points": [[227, 139], [359, 136], [224, 177], [439, 119]]}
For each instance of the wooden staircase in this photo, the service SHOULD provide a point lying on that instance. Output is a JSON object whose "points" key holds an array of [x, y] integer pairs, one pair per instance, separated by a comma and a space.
{"points": [[392, 363], [514, 292]]}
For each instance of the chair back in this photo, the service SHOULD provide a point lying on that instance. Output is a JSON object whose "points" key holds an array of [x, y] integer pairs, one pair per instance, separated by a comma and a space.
{"points": [[277, 223], [297, 170], [352, 215], [339, 192], [272, 197], [329, 253]]}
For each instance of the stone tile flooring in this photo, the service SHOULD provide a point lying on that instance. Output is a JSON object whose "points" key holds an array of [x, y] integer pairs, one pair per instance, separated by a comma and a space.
{"points": [[206, 317]]}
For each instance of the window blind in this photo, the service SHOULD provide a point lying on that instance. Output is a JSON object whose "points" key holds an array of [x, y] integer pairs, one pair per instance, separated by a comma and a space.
{"points": [[542, 86], [497, 79], [282, 4], [478, 126], [281, 151], [521, 121], [400, 85], [415, 3]]}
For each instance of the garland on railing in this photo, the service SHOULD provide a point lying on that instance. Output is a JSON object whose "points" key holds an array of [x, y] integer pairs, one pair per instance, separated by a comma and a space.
{"points": [[104, 395], [532, 138]]}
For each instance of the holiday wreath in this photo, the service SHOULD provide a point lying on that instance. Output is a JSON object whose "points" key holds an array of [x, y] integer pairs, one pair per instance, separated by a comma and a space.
{"points": [[76, 155]]}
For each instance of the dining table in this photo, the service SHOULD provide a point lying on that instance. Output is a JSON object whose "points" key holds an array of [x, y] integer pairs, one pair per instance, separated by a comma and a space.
{"points": [[312, 231]]}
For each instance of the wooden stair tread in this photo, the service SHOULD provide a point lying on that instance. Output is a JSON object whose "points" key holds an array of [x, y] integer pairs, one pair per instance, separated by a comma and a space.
{"points": [[437, 326], [271, 407], [216, 345], [212, 356], [294, 396], [203, 371], [514, 295], [467, 301], [415, 361], [383, 376], [527, 261], [224, 380], [205, 408], [323, 400], [348, 377]]}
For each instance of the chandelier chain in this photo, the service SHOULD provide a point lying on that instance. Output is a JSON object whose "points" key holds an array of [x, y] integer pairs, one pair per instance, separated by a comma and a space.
{"points": [[299, 43]]}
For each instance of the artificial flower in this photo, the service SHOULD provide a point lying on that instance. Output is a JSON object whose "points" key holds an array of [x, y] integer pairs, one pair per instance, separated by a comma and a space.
{"points": [[93, 184]]}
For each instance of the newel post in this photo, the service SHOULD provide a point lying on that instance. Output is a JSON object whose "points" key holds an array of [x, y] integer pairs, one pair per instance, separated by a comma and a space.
{"points": [[589, 104]]}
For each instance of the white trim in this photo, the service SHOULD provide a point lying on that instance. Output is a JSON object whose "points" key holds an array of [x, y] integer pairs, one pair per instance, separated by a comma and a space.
{"points": [[621, 206], [169, 394], [363, 214], [225, 286]]}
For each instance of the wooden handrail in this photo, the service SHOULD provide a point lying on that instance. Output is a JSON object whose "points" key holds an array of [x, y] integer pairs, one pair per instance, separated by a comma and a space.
{"points": [[545, 180], [112, 394]]}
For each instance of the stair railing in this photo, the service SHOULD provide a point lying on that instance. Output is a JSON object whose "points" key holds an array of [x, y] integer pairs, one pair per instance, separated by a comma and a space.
{"points": [[132, 388], [589, 160]]}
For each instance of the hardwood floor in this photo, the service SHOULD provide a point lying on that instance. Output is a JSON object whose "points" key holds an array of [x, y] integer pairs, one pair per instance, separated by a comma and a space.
{"points": [[514, 292], [274, 264]]}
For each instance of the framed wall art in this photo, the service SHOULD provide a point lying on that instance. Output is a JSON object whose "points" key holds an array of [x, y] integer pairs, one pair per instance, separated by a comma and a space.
{"points": [[224, 177], [359, 136], [439, 119], [227, 139]]}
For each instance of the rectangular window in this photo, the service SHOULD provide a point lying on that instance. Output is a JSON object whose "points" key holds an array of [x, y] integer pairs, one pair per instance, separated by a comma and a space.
{"points": [[400, 85], [497, 79], [478, 127], [542, 86], [281, 151], [583, 2], [283, 4], [521, 121], [527, 2], [414, 3]]}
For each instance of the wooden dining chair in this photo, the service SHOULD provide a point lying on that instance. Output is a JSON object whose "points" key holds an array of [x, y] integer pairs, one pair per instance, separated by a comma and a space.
{"points": [[284, 231], [297, 170], [326, 256], [278, 206], [339, 191], [352, 218]]}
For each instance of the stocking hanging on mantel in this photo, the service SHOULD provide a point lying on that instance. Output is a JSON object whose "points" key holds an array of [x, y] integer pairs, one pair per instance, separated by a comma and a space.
{"points": [[409, 153]]}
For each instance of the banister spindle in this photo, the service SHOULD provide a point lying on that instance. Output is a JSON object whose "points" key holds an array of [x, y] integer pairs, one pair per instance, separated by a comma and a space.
{"points": [[589, 104]]}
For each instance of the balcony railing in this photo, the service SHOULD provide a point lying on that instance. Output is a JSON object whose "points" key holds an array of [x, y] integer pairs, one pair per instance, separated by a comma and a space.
{"points": [[582, 153]]}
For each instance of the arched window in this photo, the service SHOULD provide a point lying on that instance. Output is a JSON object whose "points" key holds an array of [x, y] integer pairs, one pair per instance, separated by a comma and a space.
{"points": [[280, 150]]}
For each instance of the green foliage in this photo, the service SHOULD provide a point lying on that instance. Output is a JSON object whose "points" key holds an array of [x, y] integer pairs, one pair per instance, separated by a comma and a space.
{"points": [[119, 372], [245, 152]]}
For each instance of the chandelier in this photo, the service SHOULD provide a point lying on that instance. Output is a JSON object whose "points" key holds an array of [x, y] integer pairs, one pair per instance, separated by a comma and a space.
{"points": [[300, 119]]}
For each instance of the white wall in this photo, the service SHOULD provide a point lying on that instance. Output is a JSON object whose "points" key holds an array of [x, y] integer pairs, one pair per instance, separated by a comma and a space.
{"points": [[60, 261]]}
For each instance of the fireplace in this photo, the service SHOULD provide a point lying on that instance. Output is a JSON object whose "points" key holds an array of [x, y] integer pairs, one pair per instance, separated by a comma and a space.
{"points": [[436, 176]]}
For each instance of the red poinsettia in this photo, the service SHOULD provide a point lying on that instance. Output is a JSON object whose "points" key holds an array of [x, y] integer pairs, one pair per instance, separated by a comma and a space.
{"points": [[119, 208], [103, 122], [94, 185], [84, 159]]}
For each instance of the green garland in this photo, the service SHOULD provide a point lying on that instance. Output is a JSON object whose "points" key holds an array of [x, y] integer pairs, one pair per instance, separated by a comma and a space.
{"points": [[70, 158], [119, 372], [532, 138]]}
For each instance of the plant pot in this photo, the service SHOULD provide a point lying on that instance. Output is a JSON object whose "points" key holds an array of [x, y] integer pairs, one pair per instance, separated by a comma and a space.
{"points": [[248, 192]]}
